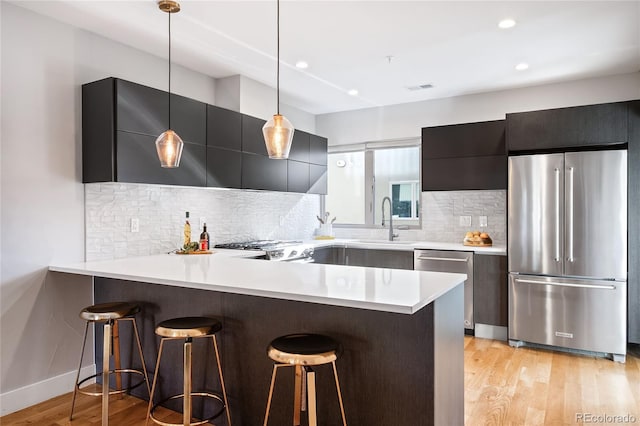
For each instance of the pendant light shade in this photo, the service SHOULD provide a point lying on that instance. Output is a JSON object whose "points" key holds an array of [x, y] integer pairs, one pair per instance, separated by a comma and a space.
{"points": [[278, 132], [169, 145]]}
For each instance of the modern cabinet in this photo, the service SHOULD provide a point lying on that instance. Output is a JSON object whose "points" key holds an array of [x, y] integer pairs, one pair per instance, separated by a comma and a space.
{"points": [[252, 137], [120, 123], [318, 150], [566, 128], [395, 259], [464, 157], [224, 128], [260, 172], [633, 280], [297, 176], [490, 290]]}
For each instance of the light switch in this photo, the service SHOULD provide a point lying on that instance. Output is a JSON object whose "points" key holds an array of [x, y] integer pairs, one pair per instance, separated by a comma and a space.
{"points": [[135, 224], [465, 221]]}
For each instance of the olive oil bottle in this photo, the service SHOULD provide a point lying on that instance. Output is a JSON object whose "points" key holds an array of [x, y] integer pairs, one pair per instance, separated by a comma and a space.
{"points": [[187, 231]]}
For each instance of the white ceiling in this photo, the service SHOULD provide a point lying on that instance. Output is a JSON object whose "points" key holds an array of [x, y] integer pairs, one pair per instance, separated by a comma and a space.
{"points": [[454, 45]]}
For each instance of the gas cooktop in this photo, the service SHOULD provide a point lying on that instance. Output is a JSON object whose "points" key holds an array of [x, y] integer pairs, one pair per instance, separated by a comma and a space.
{"points": [[258, 245]]}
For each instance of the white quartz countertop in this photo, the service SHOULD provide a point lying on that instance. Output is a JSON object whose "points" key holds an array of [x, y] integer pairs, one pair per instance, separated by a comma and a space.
{"points": [[388, 290], [407, 245]]}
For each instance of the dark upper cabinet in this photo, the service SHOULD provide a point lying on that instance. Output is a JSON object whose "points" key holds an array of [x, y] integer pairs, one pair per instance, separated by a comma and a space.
{"points": [[252, 137], [137, 161], [604, 124], [633, 284], [464, 157], [224, 168], [261, 172], [297, 176], [142, 109], [318, 150], [464, 140], [317, 179], [490, 291], [224, 128], [300, 146]]}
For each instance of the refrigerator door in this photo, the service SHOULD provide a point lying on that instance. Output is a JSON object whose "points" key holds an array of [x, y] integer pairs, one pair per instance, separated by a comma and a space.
{"points": [[588, 315], [595, 243], [536, 214]]}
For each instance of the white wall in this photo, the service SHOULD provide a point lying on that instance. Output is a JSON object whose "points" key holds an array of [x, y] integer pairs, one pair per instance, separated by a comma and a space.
{"points": [[406, 120], [44, 63]]}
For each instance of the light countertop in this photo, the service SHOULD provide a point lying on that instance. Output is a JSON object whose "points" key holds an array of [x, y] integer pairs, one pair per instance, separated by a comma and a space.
{"points": [[388, 290], [407, 245]]}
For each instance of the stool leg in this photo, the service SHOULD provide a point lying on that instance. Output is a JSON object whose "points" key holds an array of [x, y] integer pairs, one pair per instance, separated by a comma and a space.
{"points": [[224, 391], [144, 366], [186, 401], [106, 353], [335, 375], [115, 348], [311, 398], [297, 395], [75, 386], [155, 379], [273, 382]]}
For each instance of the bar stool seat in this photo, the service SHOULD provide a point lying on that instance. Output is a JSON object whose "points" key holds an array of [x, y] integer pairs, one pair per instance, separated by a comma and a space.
{"points": [[110, 314], [303, 351], [188, 328]]}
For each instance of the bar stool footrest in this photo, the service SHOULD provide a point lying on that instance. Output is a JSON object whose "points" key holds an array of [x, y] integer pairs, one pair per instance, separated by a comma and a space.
{"points": [[116, 391], [180, 396]]}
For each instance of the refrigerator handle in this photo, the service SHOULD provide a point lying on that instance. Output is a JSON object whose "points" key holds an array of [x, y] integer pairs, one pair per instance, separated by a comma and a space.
{"points": [[557, 180], [570, 215]]}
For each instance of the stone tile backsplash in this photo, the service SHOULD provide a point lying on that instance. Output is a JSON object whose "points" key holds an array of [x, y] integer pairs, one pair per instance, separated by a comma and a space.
{"points": [[441, 211], [231, 215]]}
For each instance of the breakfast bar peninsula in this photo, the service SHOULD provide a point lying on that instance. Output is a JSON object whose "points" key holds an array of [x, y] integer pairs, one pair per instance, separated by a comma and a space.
{"points": [[401, 361]]}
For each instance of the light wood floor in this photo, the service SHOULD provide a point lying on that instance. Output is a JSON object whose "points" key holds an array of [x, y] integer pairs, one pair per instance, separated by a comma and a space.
{"points": [[503, 386]]}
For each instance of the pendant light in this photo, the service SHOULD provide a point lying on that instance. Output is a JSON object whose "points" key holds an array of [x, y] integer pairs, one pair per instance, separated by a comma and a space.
{"points": [[169, 145], [278, 131]]}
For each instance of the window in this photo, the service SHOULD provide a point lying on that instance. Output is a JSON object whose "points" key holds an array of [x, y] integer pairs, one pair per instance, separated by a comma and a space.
{"points": [[360, 177]]}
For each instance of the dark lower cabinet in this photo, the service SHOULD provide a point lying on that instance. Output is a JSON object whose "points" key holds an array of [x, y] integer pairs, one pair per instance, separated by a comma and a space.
{"points": [[224, 168], [465, 173], [604, 124], [317, 179], [297, 176], [329, 255], [633, 281], [137, 162], [395, 259], [490, 291], [261, 172]]}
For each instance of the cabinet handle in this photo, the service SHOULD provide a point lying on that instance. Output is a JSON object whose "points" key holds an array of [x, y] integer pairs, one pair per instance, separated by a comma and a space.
{"points": [[570, 215], [446, 259], [604, 287], [557, 179]]}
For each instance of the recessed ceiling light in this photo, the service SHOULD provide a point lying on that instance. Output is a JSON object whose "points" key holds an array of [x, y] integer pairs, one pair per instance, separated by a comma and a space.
{"points": [[522, 66], [506, 23], [302, 65], [353, 92]]}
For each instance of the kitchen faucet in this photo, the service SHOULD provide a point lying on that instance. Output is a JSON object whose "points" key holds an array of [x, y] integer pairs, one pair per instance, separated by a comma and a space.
{"points": [[391, 234]]}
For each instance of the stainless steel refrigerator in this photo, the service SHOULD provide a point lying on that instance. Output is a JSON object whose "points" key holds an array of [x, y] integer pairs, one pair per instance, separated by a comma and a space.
{"points": [[567, 246]]}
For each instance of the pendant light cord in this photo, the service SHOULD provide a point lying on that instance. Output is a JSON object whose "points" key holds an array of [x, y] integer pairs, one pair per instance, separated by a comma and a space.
{"points": [[278, 53], [169, 69]]}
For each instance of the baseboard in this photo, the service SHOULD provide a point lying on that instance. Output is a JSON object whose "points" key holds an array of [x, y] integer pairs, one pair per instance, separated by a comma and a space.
{"points": [[39, 392], [485, 331]]}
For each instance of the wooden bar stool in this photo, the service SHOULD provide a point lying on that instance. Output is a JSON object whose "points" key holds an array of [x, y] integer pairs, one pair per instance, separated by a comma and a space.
{"points": [[110, 314], [303, 351], [186, 329]]}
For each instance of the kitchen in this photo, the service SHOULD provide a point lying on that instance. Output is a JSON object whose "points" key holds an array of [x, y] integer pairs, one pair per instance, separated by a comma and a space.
{"points": [[47, 213]]}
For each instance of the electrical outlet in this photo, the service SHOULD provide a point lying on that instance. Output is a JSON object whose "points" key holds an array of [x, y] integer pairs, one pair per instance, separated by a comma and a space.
{"points": [[203, 220], [135, 224], [465, 221], [482, 221]]}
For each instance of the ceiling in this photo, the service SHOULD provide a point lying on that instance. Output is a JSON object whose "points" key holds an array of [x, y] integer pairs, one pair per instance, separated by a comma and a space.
{"points": [[456, 46]]}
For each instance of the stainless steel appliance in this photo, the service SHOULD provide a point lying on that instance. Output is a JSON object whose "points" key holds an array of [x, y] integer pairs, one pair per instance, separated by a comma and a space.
{"points": [[460, 262], [278, 250], [567, 244]]}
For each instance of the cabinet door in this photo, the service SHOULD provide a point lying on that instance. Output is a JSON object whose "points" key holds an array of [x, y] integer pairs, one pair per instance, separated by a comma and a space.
{"points": [[98, 133], [297, 176], [300, 146], [464, 140], [603, 124], [224, 128], [318, 150], [141, 109], [224, 168], [261, 172], [189, 119], [490, 290], [317, 179], [466, 173], [137, 161], [634, 222], [252, 138], [394, 259]]}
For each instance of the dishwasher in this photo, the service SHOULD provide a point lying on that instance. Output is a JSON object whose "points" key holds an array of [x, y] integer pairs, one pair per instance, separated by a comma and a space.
{"points": [[459, 262]]}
